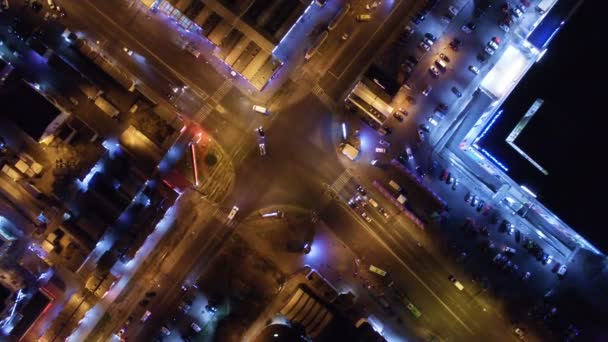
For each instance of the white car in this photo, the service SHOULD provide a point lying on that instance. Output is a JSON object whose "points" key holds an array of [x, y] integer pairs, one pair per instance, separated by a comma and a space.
{"points": [[493, 44], [434, 71], [453, 10], [385, 143], [562, 270], [366, 217], [427, 90], [489, 50], [517, 12], [466, 29], [262, 149], [233, 212], [504, 27], [424, 46], [127, 51], [380, 150], [432, 121], [474, 69]]}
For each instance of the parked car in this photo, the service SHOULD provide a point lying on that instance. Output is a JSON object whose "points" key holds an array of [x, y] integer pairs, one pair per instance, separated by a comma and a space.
{"points": [[427, 90], [444, 57], [474, 201], [468, 27], [474, 69], [409, 153], [455, 184], [455, 44], [384, 143], [456, 92], [489, 50], [526, 276], [562, 271], [434, 71]]}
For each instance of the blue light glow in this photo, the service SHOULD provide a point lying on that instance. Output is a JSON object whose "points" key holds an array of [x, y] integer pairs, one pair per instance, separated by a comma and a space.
{"points": [[487, 154], [344, 130], [489, 126], [292, 26]]}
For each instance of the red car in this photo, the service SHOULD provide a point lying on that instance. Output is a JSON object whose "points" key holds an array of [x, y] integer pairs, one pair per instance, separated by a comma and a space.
{"points": [[486, 210], [496, 40], [445, 174], [525, 3]]}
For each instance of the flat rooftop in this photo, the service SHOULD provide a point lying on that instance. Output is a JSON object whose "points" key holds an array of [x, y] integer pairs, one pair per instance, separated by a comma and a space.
{"points": [[563, 136]]}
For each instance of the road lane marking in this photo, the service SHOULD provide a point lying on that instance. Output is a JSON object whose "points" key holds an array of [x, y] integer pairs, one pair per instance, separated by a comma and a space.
{"points": [[390, 250], [369, 40], [126, 33]]}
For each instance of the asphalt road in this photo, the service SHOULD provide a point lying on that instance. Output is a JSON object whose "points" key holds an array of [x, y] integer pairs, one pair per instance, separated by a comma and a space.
{"points": [[302, 157]]}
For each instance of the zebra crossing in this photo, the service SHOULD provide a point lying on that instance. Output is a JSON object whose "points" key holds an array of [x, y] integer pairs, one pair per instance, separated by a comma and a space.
{"points": [[205, 110], [222, 91], [341, 181], [320, 93]]}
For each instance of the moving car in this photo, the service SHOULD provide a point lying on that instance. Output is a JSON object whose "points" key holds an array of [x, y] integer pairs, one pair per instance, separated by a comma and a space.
{"points": [[233, 212], [260, 109], [456, 282], [262, 147], [127, 51]]}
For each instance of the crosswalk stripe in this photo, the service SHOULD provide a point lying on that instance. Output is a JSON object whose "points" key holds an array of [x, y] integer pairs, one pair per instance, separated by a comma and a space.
{"points": [[205, 110], [222, 91], [341, 181]]}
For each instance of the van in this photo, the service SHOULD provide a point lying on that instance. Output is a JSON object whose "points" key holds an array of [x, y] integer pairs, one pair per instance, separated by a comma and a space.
{"points": [[394, 185], [364, 17], [260, 109], [373, 202]]}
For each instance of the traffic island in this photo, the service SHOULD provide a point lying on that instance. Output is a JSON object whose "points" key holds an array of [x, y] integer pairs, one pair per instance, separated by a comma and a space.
{"points": [[206, 168]]}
